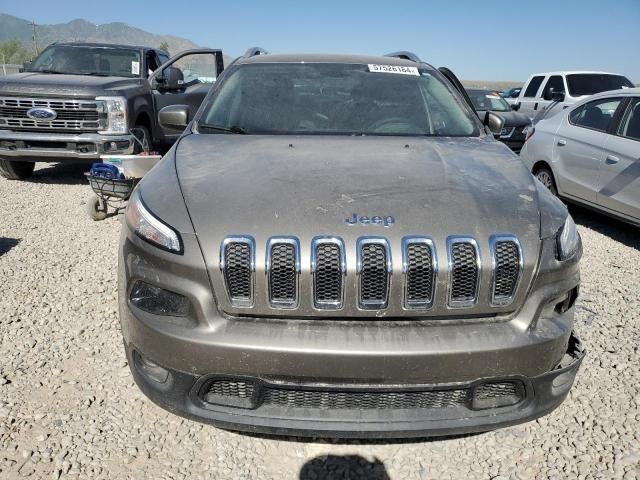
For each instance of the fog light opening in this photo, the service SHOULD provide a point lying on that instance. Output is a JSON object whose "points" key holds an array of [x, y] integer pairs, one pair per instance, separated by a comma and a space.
{"points": [[497, 394], [150, 369], [158, 301]]}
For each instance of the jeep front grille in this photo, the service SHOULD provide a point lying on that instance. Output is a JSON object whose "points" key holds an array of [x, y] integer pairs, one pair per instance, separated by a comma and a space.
{"points": [[328, 268], [419, 267], [507, 268], [464, 271], [237, 263], [283, 267], [374, 269], [72, 115], [316, 277]]}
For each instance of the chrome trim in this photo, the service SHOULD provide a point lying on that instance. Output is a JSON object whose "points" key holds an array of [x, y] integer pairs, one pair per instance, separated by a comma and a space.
{"points": [[242, 303], [361, 242], [280, 304], [409, 240], [493, 240], [315, 243], [451, 241]]}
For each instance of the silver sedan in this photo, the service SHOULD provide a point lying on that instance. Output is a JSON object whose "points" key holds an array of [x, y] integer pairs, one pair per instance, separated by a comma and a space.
{"points": [[590, 153]]}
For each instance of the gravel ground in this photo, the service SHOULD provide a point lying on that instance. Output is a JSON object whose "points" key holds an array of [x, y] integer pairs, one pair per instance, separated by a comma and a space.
{"points": [[70, 409]]}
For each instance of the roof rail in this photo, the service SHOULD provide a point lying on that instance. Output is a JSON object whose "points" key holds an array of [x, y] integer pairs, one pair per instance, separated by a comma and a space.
{"points": [[405, 55], [253, 51]]}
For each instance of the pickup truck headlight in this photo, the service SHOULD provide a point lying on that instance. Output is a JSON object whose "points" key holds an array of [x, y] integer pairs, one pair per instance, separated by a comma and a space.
{"points": [[150, 228], [568, 239], [116, 110]]}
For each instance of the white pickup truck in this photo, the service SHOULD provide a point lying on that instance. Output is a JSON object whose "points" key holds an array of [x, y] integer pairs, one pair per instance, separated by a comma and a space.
{"points": [[537, 93]]}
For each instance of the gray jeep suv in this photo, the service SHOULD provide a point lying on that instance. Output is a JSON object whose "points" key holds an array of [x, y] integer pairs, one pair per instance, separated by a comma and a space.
{"points": [[337, 246]]}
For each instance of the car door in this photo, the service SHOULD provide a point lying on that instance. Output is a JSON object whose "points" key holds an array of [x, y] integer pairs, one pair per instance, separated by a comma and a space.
{"points": [[619, 181], [578, 149], [197, 70], [529, 96]]}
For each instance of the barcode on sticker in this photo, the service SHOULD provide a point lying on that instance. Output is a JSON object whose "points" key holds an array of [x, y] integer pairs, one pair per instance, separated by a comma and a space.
{"points": [[393, 69]]}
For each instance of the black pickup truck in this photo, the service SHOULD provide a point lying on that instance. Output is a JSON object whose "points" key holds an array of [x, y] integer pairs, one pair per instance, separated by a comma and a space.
{"points": [[77, 101]]}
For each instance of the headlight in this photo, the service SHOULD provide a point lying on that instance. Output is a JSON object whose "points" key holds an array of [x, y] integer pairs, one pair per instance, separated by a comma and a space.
{"points": [[149, 227], [568, 240], [116, 110]]}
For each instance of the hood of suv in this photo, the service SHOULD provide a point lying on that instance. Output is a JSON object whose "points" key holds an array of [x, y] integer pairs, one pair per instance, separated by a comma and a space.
{"points": [[41, 84], [308, 186]]}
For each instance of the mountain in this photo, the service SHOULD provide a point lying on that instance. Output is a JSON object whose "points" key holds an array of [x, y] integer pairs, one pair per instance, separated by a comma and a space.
{"points": [[14, 28]]}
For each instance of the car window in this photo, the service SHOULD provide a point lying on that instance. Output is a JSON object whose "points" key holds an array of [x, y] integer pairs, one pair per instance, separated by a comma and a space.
{"points": [[338, 99], [533, 86], [630, 125], [89, 60], [555, 84], [163, 58], [488, 100], [580, 84], [596, 115], [198, 68], [152, 63]]}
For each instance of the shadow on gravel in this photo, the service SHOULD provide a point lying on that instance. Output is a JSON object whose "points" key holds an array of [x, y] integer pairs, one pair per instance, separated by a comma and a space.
{"points": [[61, 173], [329, 467], [7, 244], [619, 231]]}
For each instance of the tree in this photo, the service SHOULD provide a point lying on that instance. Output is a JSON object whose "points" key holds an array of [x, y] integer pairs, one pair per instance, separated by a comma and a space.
{"points": [[12, 51], [164, 46]]}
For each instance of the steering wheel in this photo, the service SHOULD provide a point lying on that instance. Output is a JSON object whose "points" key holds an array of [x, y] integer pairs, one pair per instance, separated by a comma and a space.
{"points": [[389, 125]]}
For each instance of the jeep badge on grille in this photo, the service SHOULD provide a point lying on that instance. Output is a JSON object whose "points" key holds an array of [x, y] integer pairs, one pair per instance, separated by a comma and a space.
{"points": [[387, 220]]}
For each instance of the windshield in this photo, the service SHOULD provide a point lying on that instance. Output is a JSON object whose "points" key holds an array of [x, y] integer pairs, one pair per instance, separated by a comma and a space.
{"points": [[85, 60], [589, 83], [488, 100], [338, 99]]}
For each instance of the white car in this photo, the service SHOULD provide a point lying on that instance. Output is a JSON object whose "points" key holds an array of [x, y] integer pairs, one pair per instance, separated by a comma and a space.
{"points": [[590, 153], [537, 93]]}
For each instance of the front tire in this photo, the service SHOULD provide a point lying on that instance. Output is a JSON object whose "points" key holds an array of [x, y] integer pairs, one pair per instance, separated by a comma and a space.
{"points": [[545, 176], [12, 170]]}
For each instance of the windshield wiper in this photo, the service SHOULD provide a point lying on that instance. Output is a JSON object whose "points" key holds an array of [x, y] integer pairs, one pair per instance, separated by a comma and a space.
{"points": [[231, 129], [55, 72]]}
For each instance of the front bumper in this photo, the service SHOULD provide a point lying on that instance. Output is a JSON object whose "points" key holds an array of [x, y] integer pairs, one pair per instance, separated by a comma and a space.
{"points": [[350, 411], [45, 146]]}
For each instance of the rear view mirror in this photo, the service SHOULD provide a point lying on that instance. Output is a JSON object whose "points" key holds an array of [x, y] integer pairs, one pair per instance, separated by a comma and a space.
{"points": [[495, 122], [515, 107], [174, 117]]}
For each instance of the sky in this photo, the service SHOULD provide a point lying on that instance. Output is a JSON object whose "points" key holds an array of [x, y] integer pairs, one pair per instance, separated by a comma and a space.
{"points": [[478, 40]]}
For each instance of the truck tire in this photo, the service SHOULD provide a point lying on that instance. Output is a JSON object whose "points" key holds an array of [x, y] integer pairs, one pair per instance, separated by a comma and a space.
{"points": [[13, 170]]}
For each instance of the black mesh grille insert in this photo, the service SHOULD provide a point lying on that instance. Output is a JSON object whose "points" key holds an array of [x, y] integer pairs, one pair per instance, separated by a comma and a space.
{"points": [[337, 400], [231, 388], [507, 259], [373, 275], [328, 275], [464, 272], [237, 270], [419, 274], [283, 274]]}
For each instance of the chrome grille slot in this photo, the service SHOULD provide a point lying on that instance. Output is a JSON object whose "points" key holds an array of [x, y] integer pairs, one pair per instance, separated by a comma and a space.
{"points": [[374, 271], [464, 271], [507, 264], [328, 267], [71, 115], [419, 267], [283, 268], [237, 263]]}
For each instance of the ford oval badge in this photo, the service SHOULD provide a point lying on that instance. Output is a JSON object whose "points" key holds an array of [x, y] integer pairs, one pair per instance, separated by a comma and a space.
{"points": [[40, 113]]}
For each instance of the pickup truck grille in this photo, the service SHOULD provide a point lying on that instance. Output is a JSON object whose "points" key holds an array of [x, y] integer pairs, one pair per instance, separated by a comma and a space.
{"points": [[71, 115], [373, 279]]}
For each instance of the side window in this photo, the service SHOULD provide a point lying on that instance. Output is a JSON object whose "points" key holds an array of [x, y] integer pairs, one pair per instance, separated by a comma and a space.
{"points": [[554, 84], [198, 68], [630, 125], [163, 58], [533, 87], [596, 115], [152, 63]]}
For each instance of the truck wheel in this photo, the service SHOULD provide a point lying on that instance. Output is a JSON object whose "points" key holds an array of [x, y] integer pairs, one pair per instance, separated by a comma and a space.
{"points": [[97, 208], [13, 170], [142, 134], [546, 178]]}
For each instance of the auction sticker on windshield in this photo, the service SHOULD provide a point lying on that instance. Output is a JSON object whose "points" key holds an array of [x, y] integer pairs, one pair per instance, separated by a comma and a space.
{"points": [[135, 68], [393, 69]]}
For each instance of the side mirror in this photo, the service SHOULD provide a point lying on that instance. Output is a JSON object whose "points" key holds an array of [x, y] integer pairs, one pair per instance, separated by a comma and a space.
{"points": [[557, 96], [174, 117], [25, 67], [515, 107], [173, 78], [494, 121]]}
